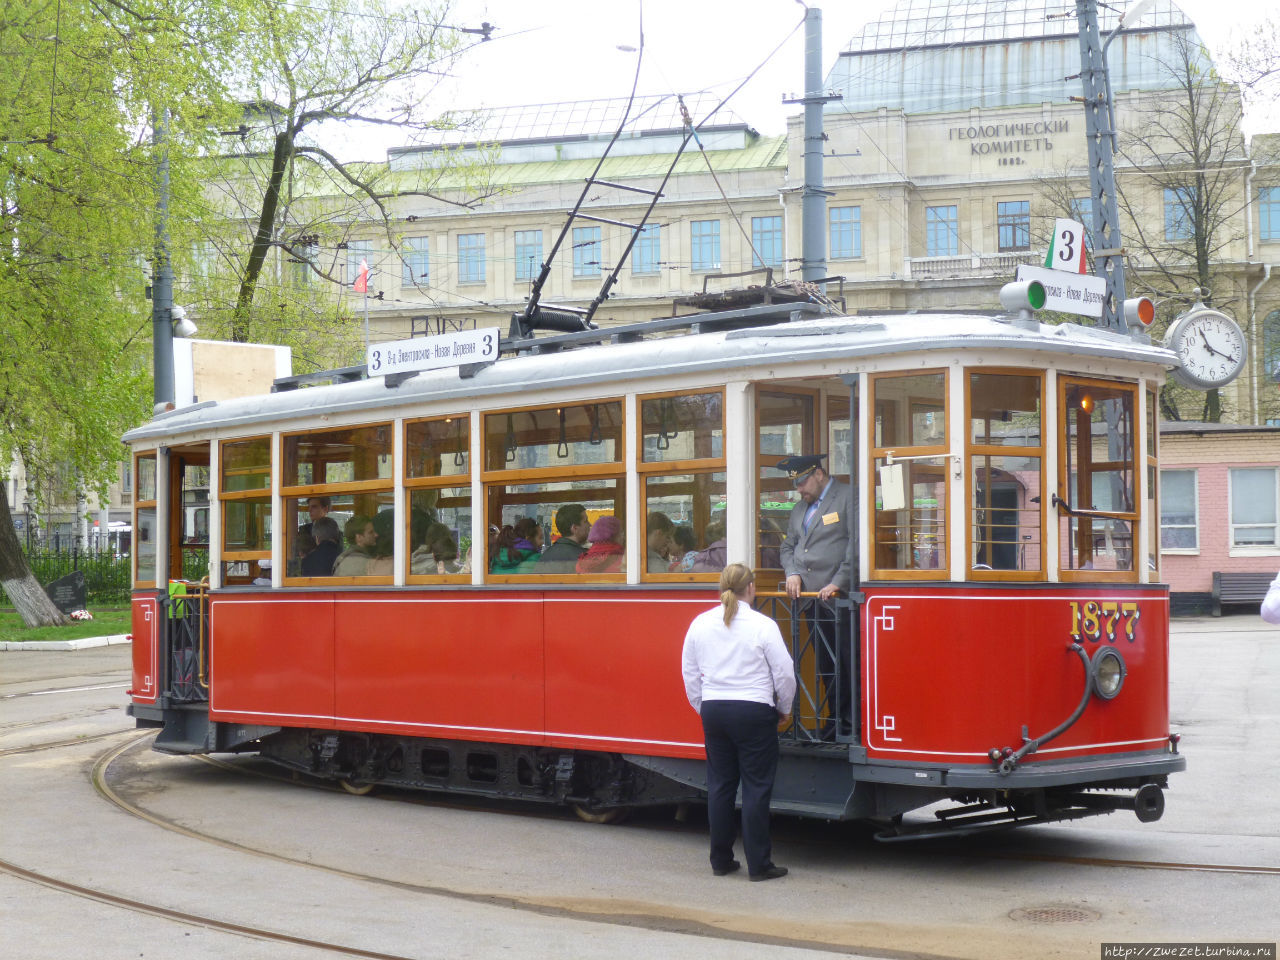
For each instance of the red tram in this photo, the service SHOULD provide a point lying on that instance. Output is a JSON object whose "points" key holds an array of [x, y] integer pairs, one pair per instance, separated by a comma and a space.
{"points": [[1009, 637]]}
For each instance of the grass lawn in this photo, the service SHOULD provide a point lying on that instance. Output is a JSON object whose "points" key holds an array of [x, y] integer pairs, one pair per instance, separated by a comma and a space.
{"points": [[106, 621]]}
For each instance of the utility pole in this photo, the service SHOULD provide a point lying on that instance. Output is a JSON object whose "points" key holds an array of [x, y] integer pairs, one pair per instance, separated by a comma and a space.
{"points": [[1099, 129], [813, 203], [162, 274]]}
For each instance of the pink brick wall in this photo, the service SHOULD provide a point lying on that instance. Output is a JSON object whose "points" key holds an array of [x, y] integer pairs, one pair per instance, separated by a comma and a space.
{"points": [[1212, 455]]}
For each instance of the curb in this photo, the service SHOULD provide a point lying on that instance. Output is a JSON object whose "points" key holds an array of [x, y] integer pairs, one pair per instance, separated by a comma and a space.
{"points": [[82, 644]]}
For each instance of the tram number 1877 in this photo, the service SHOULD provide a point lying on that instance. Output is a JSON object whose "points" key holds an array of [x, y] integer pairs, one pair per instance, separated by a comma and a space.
{"points": [[1094, 619]]}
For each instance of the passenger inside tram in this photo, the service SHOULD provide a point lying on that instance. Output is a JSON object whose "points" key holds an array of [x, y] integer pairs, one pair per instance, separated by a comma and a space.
{"points": [[712, 558], [660, 542], [605, 553], [360, 536], [327, 539], [685, 549]]}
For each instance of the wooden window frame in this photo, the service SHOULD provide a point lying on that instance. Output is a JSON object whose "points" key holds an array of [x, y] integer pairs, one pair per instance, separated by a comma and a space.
{"points": [[1067, 574], [227, 496], [651, 468], [609, 470], [441, 482], [138, 505], [941, 451], [298, 491], [972, 450]]}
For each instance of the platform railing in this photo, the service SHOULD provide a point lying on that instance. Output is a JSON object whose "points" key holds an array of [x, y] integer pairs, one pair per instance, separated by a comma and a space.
{"points": [[186, 624], [813, 629]]}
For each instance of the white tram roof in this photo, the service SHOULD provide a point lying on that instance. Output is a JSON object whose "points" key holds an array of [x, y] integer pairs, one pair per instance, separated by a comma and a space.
{"points": [[820, 339]]}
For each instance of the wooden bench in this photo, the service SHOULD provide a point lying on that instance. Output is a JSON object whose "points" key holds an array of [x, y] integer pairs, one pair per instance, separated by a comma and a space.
{"points": [[1239, 588]]}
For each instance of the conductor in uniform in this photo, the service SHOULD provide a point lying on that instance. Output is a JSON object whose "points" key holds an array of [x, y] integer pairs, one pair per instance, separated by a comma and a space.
{"points": [[815, 559]]}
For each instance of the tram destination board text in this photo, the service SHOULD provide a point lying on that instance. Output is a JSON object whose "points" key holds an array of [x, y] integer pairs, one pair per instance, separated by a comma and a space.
{"points": [[431, 353]]}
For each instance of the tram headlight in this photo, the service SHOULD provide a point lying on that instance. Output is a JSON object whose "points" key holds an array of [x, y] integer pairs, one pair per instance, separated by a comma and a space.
{"points": [[1108, 673]]}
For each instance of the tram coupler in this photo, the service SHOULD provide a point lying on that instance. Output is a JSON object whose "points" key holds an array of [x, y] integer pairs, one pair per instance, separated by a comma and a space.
{"points": [[1147, 802]]}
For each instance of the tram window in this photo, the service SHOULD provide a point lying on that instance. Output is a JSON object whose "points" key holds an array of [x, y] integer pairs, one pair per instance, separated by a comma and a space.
{"points": [[351, 454], [684, 526], [524, 535], [914, 536], [1005, 453], [1099, 515], [787, 425], [244, 491], [684, 427], [839, 437], [1152, 504], [438, 448], [144, 522], [554, 437], [439, 534], [911, 411]]}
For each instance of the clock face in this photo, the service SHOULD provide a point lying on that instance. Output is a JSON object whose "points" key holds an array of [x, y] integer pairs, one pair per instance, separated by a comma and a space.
{"points": [[1211, 348]]}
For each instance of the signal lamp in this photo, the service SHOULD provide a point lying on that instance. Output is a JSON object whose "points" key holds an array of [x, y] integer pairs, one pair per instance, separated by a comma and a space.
{"points": [[1139, 311], [1025, 295]]}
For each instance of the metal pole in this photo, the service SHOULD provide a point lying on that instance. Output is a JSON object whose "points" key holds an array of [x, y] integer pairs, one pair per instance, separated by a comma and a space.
{"points": [[1100, 135], [813, 255], [162, 275]]}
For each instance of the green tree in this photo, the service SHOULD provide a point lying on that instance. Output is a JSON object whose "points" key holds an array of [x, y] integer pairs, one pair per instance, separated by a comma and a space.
{"points": [[76, 208]]}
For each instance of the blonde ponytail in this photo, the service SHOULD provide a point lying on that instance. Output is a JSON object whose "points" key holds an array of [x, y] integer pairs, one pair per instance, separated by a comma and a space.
{"points": [[734, 580]]}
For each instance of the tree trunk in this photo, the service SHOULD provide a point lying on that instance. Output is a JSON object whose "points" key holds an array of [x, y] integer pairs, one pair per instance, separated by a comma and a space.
{"points": [[22, 589], [262, 236]]}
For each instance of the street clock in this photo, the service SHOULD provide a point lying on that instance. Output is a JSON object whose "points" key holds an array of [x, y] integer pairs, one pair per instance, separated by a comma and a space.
{"points": [[1210, 346]]}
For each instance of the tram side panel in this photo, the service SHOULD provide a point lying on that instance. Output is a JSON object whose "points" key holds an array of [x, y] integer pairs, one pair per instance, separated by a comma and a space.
{"points": [[613, 672], [950, 674], [271, 660], [145, 622], [446, 665]]}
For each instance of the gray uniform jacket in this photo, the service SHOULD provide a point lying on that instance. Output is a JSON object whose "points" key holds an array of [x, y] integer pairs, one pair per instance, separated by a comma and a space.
{"points": [[821, 556]]}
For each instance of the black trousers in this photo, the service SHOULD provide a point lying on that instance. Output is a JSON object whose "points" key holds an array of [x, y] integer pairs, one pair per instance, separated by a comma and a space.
{"points": [[830, 628], [742, 747]]}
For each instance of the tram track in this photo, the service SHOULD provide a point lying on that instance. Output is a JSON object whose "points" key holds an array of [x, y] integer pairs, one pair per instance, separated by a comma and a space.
{"points": [[585, 911]]}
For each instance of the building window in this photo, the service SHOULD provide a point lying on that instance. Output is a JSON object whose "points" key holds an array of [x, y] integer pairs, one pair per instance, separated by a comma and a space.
{"points": [[704, 245], [1253, 507], [1082, 210], [587, 251], [358, 251], [1013, 225], [416, 264], [766, 241], [1269, 213], [302, 259], [528, 254], [1179, 510], [471, 258], [1179, 202], [647, 252], [845, 240], [1271, 344], [942, 231]]}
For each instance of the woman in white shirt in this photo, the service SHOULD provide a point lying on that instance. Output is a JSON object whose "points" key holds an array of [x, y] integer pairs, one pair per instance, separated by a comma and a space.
{"points": [[739, 676]]}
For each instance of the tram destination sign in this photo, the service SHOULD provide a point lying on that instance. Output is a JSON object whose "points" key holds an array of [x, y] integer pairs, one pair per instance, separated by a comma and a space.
{"points": [[1077, 293], [431, 353]]}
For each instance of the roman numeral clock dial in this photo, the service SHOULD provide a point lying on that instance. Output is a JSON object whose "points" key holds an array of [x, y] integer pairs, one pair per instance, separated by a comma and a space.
{"points": [[1210, 346]]}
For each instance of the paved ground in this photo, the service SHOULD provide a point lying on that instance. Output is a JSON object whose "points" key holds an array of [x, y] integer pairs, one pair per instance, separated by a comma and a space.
{"points": [[455, 879]]}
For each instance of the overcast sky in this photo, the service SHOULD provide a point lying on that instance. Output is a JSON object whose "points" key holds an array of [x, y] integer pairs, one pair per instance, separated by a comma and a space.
{"points": [[547, 51]]}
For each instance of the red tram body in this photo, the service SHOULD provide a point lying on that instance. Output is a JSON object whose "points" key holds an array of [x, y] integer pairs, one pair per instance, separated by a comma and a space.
{"points": [[1028, 689]]}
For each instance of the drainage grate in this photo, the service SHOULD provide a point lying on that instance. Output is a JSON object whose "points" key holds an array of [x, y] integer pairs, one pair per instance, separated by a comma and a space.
{"points": [[1055, 913]]}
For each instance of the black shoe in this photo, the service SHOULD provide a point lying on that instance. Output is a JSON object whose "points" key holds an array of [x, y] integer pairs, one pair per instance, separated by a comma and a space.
{"points": [[727, 869], [770, 872]]}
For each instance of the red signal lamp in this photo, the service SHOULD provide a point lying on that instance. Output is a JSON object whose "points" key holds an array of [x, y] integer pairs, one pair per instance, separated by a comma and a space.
{"points": [[1139, 311]]}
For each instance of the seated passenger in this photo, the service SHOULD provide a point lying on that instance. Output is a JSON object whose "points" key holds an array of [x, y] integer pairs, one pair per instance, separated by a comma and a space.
{"points": [[516, 544], [328, 544], [354, 561], [605, 553], [711, 559], [438, 553], [382, 564], [660, 543], [686, 548], [562, 556]]}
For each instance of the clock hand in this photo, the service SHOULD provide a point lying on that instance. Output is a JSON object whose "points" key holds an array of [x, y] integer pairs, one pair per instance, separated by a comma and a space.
{"points": [[1210, 346]]}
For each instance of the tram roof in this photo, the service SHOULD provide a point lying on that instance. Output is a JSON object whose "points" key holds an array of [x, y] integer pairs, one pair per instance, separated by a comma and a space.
{"points": [[797, 342]]}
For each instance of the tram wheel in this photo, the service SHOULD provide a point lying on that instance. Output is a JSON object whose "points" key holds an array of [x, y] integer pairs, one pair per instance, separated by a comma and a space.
{"points": [[356, 789], [600, 815]]}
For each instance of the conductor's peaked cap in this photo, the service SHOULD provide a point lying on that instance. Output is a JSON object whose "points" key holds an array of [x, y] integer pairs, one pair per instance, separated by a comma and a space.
{"points": [[798, 468]]}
